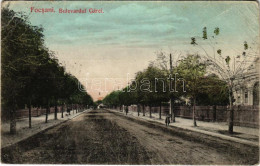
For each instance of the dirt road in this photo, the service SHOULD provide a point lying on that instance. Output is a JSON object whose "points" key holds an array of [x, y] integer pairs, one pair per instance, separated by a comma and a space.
{"points": [[103, 137]]}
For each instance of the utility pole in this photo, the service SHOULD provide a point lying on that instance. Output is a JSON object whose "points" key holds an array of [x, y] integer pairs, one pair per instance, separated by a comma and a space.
{"points": [[171, 98]]}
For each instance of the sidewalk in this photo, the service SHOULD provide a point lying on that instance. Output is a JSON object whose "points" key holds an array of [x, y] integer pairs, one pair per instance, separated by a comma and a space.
{"points": [[245, 135], [38, 124]]}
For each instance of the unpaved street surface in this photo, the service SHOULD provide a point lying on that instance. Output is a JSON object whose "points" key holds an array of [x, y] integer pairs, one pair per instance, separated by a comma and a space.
{"points": [[103, 137]]}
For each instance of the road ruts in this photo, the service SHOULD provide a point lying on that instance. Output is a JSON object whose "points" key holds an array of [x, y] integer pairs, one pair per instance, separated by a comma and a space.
{"points": [[103, 137]]}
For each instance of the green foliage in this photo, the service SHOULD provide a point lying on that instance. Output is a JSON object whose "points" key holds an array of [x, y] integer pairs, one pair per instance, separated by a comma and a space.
{"points": [[208, 90], [145, 90], [227, 60], [219, 51], [212, 91], [120, 97], [31, 74], [158, 86], [112, 99], [21, 43], [192, 70], [245, 45], [193, 41], [204, 32], [216, 31]]}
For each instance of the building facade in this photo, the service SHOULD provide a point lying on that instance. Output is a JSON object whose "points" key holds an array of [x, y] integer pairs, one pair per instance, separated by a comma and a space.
{"points": [[247, 86]]}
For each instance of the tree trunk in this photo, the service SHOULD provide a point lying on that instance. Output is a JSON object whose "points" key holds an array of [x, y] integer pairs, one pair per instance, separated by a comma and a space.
{"points": [[62, 109], [160, 113], [30, 115], [231, 118], [138, 109], [150, 111], [143, 110], [47, 112], [12, 121], [231, 112], [56, 111], [194, 112], [172, 110]]}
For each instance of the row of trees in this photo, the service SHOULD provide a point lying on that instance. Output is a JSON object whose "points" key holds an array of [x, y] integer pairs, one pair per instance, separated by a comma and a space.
{"points": [[155, 86], [209, 77], [31, 74]]}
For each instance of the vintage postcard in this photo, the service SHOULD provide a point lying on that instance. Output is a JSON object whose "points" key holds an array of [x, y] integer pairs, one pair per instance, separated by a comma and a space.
{"points": [[130, 82]]}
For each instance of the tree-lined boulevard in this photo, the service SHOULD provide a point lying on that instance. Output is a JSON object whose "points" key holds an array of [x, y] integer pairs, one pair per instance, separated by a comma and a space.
{"points": [[107, 137], [102, 132], [31, 74]]}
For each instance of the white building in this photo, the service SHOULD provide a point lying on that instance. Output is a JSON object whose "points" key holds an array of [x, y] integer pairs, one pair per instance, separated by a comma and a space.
{"points": [[247, 86]]}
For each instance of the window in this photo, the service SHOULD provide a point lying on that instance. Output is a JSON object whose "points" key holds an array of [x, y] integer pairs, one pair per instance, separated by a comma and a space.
{"points": [[246, 97], [238, 99]]}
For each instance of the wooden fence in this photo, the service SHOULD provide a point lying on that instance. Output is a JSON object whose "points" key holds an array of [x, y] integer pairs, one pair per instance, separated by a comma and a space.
{"points": [[247, 116]]}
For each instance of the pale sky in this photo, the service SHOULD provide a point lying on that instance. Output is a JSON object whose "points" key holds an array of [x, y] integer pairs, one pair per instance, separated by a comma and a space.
{"points": [[126, 36]]}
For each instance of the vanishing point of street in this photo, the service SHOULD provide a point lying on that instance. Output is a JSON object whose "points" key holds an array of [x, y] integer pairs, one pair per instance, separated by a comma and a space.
{"points": [[106, 137]]}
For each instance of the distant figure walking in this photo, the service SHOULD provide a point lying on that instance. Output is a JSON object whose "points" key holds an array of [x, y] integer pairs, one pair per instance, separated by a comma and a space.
{"points": [[126, 110], [167, 120]]}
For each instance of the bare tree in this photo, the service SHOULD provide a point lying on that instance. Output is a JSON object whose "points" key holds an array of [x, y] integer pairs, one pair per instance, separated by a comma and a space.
{"points": [[227, 67]]}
